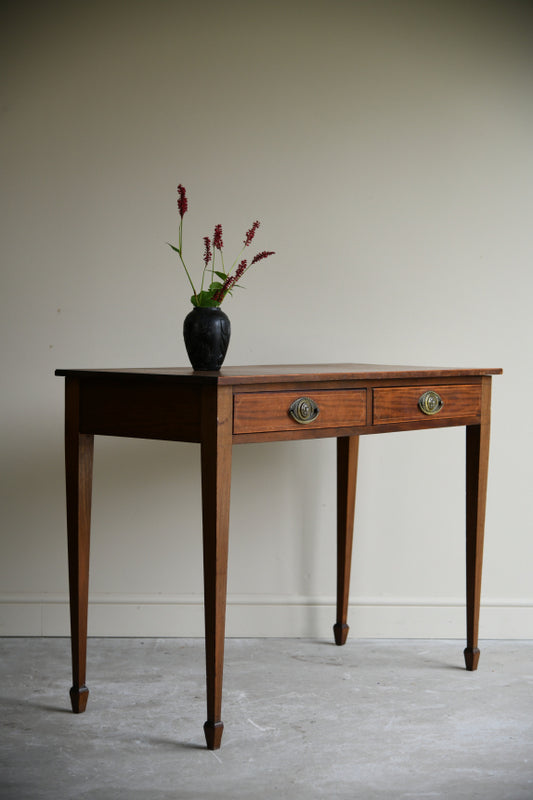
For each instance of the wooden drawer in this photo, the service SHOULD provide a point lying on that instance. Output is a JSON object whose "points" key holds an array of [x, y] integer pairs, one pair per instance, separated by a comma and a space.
{"points": [[401, 403], [259, 412]]}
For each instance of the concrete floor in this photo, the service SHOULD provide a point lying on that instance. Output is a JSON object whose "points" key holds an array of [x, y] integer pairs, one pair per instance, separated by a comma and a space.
{"points": [[303, 719]]}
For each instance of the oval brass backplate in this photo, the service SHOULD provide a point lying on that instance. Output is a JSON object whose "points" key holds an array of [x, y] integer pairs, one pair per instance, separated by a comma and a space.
{"points": [[304, 410], [430, 403]]}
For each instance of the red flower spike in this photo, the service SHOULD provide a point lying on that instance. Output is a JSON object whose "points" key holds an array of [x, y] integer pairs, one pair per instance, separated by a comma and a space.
{"points": [[183, 203], [261, 255], [207, 252], [217, 238], [240, 270], [230, 282], [251, 233], [222, 292]]}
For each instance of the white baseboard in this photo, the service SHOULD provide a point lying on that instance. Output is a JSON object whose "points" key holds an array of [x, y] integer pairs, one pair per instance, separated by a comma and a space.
{"points": [[266, 616]]}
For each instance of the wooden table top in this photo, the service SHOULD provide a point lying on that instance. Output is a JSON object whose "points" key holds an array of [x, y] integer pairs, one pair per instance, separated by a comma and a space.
{"points": [[285, 372]]}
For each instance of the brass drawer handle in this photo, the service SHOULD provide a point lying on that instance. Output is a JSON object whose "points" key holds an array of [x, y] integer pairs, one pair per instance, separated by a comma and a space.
{"points": [[430, 403], [304, 410]]}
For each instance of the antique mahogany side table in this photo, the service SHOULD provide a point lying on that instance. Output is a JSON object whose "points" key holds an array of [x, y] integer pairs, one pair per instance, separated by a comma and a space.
{"points": [[265, 404]]}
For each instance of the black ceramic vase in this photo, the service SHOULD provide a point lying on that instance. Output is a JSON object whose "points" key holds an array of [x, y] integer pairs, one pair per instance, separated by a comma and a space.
{"points": [[206, 332]]}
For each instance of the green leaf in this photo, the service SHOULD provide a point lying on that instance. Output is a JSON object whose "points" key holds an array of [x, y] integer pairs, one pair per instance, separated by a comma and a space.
{"points": [[173, 248], [222, 275], [205, 300]]}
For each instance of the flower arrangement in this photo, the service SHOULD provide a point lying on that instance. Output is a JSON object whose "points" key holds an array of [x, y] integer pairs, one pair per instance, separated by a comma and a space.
{"points": [[221, 281]]}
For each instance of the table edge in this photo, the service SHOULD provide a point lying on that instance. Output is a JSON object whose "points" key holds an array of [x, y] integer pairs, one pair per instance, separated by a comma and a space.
{"points": [[240, 375]]}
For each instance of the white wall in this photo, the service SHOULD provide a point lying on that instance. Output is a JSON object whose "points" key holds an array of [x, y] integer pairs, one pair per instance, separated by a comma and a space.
{"points": [[387, 149]]}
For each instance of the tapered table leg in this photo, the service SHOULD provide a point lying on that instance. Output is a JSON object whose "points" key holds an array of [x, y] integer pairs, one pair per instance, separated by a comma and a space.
{"points": [[216, 485], [347, 452], [79, 470], [477, 463]]}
